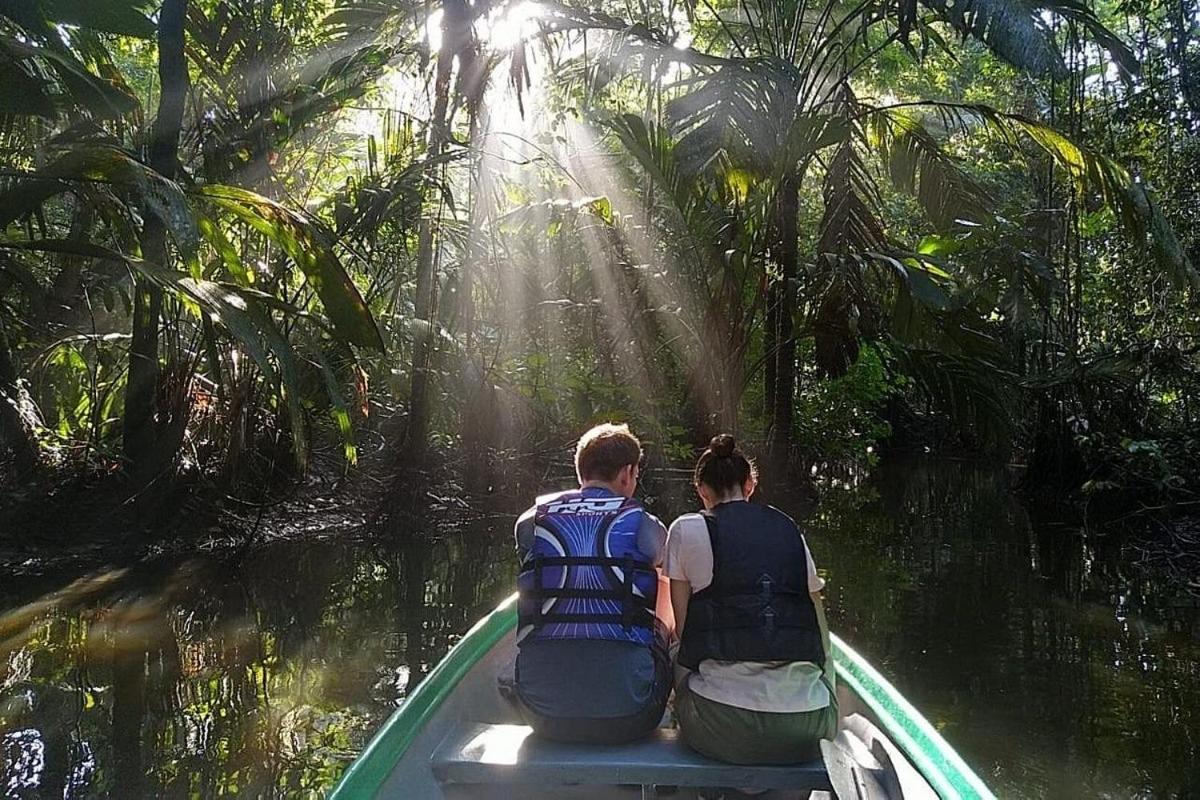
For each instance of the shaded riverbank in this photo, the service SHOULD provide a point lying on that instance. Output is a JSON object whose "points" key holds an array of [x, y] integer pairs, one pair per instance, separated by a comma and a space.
{"points": [[1055, 666]]}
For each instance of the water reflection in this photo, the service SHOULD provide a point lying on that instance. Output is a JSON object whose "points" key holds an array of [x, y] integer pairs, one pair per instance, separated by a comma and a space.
{"points": [[1039, 653], [209, 679], [1055, 668]]}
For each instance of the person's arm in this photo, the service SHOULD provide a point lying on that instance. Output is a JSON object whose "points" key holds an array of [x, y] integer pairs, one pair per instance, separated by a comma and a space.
{"points": [[652, 538], [681, 594], [675, 569], [523, 532], [816, 584], [826, 645]]}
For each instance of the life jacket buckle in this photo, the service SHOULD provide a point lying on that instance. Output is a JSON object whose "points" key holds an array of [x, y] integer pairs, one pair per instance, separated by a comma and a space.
{"points": [[768, 615]]}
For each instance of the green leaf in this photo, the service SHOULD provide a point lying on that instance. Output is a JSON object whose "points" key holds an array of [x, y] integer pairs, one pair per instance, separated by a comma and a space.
{"points": [[253, 327], [747, 113], [22, 94], [339, 408], [938, 245], [103, 98], [915, 279], [1092, 173], [307, 245], [109, 16], [917, 165], [1012, 29], [248, 322], [96, 162], [231, 259], [601, 207]]}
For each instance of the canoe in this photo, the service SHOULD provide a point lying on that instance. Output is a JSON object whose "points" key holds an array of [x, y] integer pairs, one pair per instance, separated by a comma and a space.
{"points": [[458, 736]]}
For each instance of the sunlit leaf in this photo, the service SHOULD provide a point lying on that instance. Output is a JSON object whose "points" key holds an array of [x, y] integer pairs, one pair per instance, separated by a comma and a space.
{"points": [[248, 322], [96, 162], [917, 165], [306, 244], [231, 259], [1091, 173]]}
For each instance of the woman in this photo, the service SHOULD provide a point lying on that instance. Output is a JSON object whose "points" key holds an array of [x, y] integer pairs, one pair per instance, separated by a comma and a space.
{"points": [[755, 685]]}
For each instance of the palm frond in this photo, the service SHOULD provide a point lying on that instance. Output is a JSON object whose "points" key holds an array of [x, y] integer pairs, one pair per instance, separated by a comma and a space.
{"points": [[43, 45], [91, 162], [1019, 32], [237, 311], [310, 246], [973, 393], [850, 223], [1092, 174], [918, 165], [751, 114], [743, 112], [850, 226], [1012, 29], [656, 153]]}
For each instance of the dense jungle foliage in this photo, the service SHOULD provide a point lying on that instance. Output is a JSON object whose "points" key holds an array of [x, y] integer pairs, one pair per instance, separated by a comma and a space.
{"points": [[238, 236]]}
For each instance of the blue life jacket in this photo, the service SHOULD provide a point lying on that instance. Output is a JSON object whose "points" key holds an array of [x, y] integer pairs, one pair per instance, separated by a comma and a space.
{"points": [[758, 607], [584, 577]]}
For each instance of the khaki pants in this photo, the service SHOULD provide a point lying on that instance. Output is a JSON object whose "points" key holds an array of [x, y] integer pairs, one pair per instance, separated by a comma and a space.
{"points": [[741, 736]]}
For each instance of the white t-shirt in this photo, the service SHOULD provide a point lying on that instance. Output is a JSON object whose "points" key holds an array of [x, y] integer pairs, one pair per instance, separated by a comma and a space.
{"points": [[783, 687]]}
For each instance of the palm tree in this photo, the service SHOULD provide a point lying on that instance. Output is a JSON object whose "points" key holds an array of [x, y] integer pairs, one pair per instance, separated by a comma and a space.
{"points": [[784, 101], [167, 208], [142, 428]]}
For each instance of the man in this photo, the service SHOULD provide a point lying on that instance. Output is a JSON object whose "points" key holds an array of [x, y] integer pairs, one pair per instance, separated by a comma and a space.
{"points": [[592, 664]]}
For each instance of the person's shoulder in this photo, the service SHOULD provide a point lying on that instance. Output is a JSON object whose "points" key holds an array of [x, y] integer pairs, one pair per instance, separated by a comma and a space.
{"points": [[525, 523], [550, 497], [650, 520], [689, 524], [527, 516]]}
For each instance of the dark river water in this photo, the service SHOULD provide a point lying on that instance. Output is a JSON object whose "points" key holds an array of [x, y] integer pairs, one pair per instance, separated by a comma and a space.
{"points": [[1056, 668]]}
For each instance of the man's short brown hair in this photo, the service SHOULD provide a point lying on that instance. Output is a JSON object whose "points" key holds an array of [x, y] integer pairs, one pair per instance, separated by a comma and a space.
{"points": [[604, 450]]}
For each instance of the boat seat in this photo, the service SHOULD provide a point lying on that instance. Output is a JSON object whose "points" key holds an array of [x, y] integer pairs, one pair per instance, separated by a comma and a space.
{"points": [[479, 753]]}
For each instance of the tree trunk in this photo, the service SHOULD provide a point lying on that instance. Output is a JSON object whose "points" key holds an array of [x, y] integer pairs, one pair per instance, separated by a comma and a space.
{"points": [[770, 348], [479, 214], [14, 434], [787, 211], [140, 424], [1183, 27], [455, 26]]}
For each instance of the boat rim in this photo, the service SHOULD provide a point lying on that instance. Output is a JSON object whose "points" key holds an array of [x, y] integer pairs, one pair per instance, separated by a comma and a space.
{"points": [[926, 749]]}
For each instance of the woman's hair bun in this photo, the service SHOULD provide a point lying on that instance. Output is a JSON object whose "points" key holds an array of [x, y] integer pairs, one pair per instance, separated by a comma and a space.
{"points": [[722, 445]]}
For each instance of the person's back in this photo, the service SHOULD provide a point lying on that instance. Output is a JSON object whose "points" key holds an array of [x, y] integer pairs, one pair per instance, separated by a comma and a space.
{"points": [[755, 686], [592, 663]]}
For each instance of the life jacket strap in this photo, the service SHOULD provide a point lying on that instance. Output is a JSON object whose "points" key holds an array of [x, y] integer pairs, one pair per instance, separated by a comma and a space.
{"points": [[642, 619], [634, 608], [539, 561], [627, 595], [591, 594]]}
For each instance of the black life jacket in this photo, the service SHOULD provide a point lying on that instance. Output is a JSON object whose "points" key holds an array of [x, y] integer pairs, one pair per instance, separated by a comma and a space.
{"points": [[758, 606]]}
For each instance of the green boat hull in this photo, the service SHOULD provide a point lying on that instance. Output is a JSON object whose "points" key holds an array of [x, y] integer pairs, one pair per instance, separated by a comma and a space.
{"points": [[925, 749]]}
